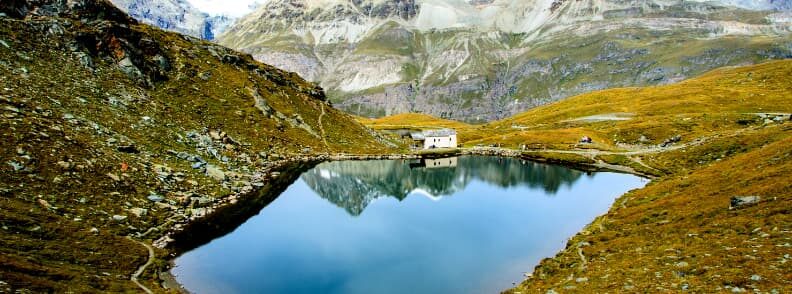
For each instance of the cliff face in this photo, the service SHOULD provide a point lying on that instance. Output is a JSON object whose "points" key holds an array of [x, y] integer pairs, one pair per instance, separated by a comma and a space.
{"points": [[176, 15], [112, 128], [484, 60]]}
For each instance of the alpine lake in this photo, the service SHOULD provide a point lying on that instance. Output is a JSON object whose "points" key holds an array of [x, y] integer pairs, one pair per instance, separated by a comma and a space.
{"points": [[466, 224]]}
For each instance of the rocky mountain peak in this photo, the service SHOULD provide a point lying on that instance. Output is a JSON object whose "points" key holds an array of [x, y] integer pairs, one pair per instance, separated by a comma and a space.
{"points": [[176, 15]]}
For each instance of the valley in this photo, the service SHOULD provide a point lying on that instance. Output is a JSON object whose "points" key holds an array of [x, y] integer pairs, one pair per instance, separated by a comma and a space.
{"points": [[125, 146]]}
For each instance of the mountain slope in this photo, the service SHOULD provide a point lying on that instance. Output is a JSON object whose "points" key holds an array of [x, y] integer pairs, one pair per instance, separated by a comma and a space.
{"points": [[683, 232], [486, 60], [111, 128]]}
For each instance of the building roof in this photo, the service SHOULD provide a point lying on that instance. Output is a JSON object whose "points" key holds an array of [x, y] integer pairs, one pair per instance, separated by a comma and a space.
{"points": [[420, 136], [439, 133], [417, 136]]}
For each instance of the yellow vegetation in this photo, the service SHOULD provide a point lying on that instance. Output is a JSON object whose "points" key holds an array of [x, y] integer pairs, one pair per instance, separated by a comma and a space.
{"points": [[678, 232]]}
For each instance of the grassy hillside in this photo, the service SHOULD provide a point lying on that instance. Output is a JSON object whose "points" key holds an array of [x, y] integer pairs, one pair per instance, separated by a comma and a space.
{"points": [[678, 233], [110, 128]]}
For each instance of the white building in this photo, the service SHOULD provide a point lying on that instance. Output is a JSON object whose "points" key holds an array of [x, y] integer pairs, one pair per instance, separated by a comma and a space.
{"points": [[443, 138]]}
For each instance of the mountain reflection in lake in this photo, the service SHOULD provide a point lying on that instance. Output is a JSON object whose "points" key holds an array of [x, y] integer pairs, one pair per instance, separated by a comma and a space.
{"points": [[463, 225], [352, 185]]}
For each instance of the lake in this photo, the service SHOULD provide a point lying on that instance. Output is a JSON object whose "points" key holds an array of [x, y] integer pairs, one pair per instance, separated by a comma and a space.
{"points": [[454, 225]]}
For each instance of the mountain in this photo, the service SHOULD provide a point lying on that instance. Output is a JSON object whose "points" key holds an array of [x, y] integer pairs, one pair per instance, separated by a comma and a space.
{"points": [[111, 128], [176, 15], [487, 59]]}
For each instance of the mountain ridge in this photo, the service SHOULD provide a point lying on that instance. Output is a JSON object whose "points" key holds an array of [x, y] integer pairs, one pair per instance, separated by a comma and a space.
{"points": [[490, 59]]}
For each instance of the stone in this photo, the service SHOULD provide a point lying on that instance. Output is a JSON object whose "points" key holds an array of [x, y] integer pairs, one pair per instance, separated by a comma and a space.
{"points": [[681, 264], [12, 109], [44, 204], [756, 278], [16, 165], [119, 218], [94, 230], [215, 173], [581, 280], [138, 212], [114, 177], [64, 165], [198, 165], [155, 198], [738, 202], [128, 149]]}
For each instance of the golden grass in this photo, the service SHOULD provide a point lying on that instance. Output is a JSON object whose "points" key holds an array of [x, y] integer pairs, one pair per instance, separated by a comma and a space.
{"points": [[678, 232]]}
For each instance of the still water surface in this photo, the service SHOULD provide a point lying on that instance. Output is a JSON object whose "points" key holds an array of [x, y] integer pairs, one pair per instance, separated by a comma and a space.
{"points": [[455, 225]]}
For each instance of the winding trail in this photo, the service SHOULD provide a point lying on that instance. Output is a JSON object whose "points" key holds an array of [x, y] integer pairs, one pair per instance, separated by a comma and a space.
{"points": [[321, 129], [143, 267]]}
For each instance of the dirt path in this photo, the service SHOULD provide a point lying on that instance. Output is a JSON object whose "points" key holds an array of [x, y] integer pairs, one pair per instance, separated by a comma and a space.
{"points": [[321, 129], [143, 267]]}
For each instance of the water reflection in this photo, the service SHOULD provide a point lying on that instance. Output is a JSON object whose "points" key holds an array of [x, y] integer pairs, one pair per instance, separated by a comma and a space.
{"points": [[499, 223], [352, 185]]}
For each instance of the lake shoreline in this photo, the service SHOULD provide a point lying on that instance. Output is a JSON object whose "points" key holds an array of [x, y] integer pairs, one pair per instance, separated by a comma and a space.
{"points": [[276, 186]]}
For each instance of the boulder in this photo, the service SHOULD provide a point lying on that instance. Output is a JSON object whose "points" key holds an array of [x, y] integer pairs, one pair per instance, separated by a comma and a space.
{"points": [[738, 202], [215, 173]]}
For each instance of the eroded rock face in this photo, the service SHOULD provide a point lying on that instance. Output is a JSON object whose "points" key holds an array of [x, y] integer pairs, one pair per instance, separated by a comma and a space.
{"points": [[485, 60], [176, 15]]}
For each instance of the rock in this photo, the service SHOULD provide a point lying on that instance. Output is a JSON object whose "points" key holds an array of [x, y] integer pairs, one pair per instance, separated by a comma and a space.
{"points": [[114, 177], [215, 173], [128, 149], [681, 264], [94, 230], [198, 212], [64, 165], [183, 155], [215, 135], [119, 218], [581, 280], [756, 278], [44, 204], [198, 165], [155, 198], [138, 212], [738, 202], [16, 165], [672, 140]]}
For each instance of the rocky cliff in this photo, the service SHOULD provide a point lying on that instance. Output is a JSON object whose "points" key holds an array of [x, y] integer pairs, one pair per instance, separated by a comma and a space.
{"points": [[176, 15], [484, 60]]}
